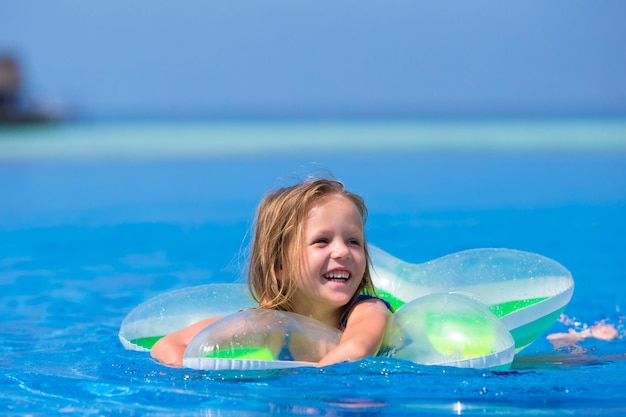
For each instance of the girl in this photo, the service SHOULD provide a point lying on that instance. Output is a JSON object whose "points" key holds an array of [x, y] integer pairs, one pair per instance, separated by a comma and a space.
{"points": [[309, 256]]}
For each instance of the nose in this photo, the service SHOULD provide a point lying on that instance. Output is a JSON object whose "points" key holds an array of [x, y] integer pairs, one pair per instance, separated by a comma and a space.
{"points": [[340, 251]]}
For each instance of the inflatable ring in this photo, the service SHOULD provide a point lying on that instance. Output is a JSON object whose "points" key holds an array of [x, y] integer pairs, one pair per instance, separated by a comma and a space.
{"points": [[474, 308], [260, 339], [526, 291]]}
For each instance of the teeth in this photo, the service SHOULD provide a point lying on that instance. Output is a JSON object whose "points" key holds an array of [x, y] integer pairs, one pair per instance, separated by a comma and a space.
{"points": [[337, 275]]}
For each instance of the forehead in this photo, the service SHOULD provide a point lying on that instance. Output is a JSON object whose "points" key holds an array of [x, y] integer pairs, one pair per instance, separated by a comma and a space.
{"points": [[338, 203]]}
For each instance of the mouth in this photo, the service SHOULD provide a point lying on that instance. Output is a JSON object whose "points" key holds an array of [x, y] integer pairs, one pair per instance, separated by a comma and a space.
{"points": [[337, 276]]}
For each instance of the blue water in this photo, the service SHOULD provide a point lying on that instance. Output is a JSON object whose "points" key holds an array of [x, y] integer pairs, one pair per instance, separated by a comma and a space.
{"points": [[84, 239]]}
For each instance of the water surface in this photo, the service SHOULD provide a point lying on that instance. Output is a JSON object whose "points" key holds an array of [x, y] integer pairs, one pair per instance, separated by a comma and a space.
{"points": [[87, 234]]}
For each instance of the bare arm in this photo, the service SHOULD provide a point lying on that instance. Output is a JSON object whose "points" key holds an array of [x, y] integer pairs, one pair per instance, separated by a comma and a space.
{"points": [[599, 331], [169, 349], [363, 334]]}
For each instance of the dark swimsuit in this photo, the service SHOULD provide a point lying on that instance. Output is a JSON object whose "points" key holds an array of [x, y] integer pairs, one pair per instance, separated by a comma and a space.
{"points": [[365, 297]]}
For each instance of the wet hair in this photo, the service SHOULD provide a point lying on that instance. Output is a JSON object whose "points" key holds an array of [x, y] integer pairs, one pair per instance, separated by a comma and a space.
{"points": [[278, 240]]}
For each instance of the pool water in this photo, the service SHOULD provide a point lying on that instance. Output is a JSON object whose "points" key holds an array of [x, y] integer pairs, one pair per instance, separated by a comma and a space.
{"points": [[89, 232]]}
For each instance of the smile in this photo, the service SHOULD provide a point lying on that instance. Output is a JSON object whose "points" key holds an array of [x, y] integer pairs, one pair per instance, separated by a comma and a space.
{"points": [[337, 275]]}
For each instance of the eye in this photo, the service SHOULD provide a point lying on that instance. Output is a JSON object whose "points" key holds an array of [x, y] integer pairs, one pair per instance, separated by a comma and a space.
{"points": [[320, 241], [356, 242]]}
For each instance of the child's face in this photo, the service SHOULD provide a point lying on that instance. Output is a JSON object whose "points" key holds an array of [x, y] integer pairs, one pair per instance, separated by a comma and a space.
{"points": [[334, 258]]}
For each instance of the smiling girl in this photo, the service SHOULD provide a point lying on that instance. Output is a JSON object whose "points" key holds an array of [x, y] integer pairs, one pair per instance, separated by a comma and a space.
{"points": [[309, 256]]}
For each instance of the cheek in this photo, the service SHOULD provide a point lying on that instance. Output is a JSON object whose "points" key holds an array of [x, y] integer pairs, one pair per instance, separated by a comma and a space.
{"points": [[308, 263], [361, 259], [312, 257]]}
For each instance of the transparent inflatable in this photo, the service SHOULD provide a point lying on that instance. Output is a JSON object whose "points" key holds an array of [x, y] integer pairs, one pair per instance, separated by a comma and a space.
{"points": [[526, 291], [448, 330], [174, 310], [475, 308], [260, 339]]}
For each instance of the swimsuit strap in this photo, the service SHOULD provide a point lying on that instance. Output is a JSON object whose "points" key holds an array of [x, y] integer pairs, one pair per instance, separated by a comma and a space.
{"points": [[365, 297]]}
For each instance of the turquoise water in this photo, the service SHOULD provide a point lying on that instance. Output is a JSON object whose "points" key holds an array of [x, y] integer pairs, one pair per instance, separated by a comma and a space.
{"points": [[96, 219]]}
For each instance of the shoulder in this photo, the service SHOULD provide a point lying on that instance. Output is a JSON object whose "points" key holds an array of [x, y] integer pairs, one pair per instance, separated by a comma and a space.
{"points": [[372, 300], [367, 309]]}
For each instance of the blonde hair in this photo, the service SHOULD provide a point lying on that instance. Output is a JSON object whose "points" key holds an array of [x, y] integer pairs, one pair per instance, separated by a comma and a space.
{"points": [[278, 238]]}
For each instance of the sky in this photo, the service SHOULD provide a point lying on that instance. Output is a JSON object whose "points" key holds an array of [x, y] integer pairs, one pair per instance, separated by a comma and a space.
{"points": [[320, 59]]}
